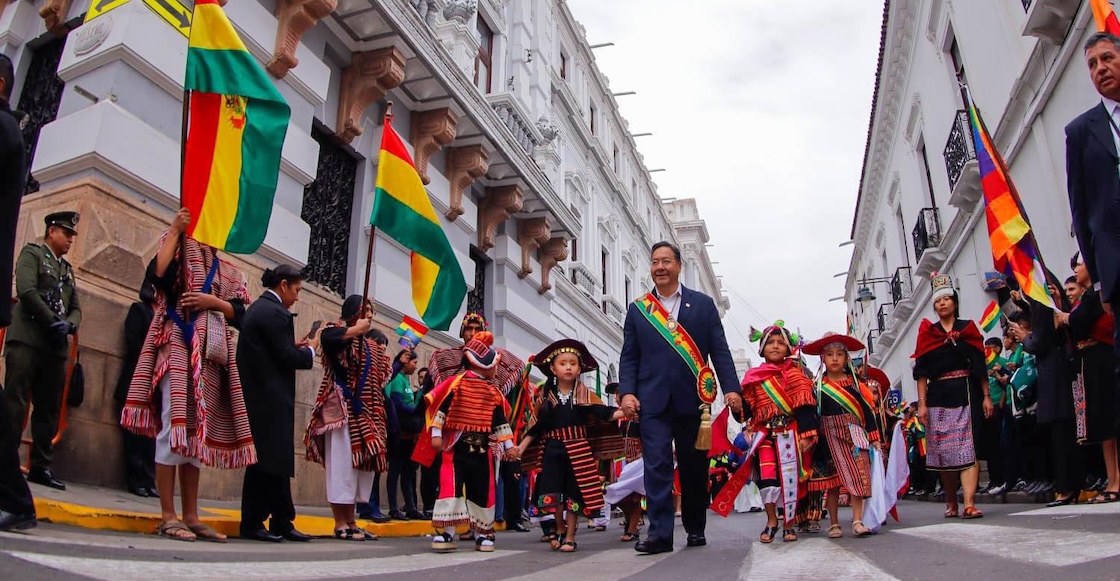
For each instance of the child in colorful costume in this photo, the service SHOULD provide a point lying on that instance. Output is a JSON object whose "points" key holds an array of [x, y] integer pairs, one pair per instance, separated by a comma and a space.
{"points": [[849, 426], [782, 412], [570, 429], [464, 412]]}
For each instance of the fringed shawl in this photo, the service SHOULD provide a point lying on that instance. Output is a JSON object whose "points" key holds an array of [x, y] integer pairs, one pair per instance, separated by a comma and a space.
{"points": [[368, 429], [798, 389], [208, 418], [604, 437], [473, 402], [447, 363]]}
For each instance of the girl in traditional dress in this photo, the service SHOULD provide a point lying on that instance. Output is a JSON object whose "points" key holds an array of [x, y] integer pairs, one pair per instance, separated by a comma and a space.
{"points": [[953, 397], [347, 432], [569, 432], [1095, 386], [849, 427], [186, 392], [778, 401]]}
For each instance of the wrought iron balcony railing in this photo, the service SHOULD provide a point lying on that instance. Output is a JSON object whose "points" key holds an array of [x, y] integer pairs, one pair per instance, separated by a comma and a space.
{"points": [[927, 232], [902, 285], [959, 149]]}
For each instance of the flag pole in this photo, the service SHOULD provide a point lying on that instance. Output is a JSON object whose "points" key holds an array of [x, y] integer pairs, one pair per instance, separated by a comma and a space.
{"points": [[184, 280], [372, 228]]}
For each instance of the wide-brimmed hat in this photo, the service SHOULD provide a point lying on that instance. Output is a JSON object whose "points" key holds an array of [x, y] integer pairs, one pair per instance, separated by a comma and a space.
{"points": [[611, 388], [851, 344], [543, 360], [875, 374], [480, 352]]}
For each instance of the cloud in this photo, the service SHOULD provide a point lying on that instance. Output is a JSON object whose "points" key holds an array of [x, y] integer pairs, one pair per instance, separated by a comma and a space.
{"points": [[759, 110]]}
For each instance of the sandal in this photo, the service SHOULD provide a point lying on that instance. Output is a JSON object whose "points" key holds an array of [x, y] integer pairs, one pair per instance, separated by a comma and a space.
{"points": [[860, 530], [176, 531], [789, 535], [600, 528], [1104, 497], [555, 543], [629, 537], [569, 547], [814, 527], [951, 511], [349, 535], [971, 512], [548, 538], [767, 535], [835, 532], [207, 533], [366, 535]]}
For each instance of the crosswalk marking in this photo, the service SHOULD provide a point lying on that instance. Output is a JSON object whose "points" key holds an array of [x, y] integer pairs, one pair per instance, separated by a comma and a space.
{"points": [[809, 558], [601, 566], [1112, 508], [1022, 544], [131, 570]]}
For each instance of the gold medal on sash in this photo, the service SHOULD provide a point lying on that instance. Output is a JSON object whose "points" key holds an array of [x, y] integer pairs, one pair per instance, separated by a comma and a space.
{"points": [[671, 324]]}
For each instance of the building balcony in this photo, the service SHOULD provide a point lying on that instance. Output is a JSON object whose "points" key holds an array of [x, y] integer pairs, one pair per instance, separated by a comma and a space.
{"points": [[873, 347], [902, 289], [888, 325], [582, 278], [1049, 20], [961, 164], [928, 242], [612, 309], [516, 119]]}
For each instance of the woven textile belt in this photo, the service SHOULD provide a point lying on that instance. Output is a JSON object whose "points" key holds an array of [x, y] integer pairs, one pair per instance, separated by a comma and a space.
{"points": [[568, 433], [959, 374]]}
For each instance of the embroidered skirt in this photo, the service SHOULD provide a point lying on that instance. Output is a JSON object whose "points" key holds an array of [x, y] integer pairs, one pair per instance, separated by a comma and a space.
{"points": [[949, 441], [853, 465]]}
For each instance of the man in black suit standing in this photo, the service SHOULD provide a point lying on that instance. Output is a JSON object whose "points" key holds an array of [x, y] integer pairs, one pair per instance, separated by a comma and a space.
{"points": [[268, 357], [1093, 172], [17, 508]]}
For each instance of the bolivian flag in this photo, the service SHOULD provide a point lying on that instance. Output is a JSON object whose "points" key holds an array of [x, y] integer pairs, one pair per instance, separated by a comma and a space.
{"points": [[236, 126], [402, 210]]}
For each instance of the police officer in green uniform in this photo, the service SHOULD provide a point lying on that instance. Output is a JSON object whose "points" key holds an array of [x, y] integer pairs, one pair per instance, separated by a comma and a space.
{"points": [[37, 346]]}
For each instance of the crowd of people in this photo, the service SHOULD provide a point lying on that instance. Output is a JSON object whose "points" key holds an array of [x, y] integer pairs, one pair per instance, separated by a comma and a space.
{"points": [[469, 441]]}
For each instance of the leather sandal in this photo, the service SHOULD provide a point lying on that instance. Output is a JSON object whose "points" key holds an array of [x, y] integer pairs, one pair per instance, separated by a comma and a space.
{"points": [[1104, 497], [952, 511], [859, 529], [767, 535], [789, 535], [835, 532], [971, 512]]}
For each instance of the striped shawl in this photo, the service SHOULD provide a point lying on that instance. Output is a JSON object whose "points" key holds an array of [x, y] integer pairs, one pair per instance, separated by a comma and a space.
{"points": [[604, 438]]}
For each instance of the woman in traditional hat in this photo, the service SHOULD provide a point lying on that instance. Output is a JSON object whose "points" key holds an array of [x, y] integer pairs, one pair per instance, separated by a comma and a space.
{"points": [[953, 398], [848, 426], [570, 430], [778, 400], [347, 432]]}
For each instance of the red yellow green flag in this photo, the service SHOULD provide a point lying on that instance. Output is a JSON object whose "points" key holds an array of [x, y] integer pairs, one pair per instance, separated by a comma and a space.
{"points": [[990, 317], [236, 126], [403, 211], [1105, 16]]}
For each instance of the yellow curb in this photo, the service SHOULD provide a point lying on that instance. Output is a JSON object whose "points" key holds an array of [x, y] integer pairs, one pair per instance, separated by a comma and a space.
{"points": [[226, 522]]}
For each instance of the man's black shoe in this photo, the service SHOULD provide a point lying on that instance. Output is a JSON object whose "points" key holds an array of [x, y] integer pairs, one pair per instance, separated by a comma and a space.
{"points": [[139, 491], [296, 536], [427, 515], [398, 515], [153, 493], [262, 535], [654, 546], [415, 515], [10, 521], [45, 478], [519, 527], [697, 540]]}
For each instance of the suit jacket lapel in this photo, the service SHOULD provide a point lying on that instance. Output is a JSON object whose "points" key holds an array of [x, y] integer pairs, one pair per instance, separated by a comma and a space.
{"points": [[684, 313], [1101, 129]]}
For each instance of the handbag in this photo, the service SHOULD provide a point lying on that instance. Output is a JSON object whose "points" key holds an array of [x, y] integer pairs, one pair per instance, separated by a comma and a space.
{"points": [[216, 349], [333, 412]]}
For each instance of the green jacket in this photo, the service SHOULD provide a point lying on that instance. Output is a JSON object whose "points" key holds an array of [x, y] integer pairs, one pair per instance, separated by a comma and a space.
{"points": [[42, 281]]}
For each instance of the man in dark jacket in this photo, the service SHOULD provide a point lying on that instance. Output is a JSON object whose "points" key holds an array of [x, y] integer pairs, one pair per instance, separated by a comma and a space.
{"points": [[139, 451], [268, 357], [17, 509]]}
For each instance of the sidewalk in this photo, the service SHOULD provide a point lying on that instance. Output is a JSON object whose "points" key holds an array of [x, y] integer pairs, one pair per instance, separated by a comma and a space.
{"points": [[108, 509]]}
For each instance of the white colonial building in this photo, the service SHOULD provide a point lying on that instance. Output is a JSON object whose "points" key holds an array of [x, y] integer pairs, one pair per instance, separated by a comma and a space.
{"points": [[515, 131], [920, 205]]}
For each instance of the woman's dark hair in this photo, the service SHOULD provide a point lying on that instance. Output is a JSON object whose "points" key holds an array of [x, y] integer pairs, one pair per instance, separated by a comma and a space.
{"points": [[272, 277], [1075, 260], [670, 246], [148, 290], [398, 361], [377, 337]]}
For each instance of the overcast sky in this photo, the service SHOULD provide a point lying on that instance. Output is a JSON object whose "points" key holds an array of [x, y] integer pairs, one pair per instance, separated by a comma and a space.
{"points": [[759, 109]]}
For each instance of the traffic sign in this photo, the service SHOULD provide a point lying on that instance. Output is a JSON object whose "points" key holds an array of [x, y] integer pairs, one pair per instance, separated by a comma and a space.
{"points": [[99, 7], [173, 12]]}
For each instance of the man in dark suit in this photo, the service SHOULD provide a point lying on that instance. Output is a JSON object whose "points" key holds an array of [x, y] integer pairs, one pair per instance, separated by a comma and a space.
{"points": [[17, 509], [268, 357], [656, 382], [1093, 172]]}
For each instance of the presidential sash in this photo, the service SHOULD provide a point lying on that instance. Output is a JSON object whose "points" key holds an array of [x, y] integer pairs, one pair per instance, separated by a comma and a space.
{"points": [[682, 343], [844, 398], [777, 394]]}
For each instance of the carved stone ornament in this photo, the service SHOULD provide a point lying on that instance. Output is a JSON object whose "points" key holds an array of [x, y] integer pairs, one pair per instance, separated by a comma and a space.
{"points": [[431, 130], [293, 19], [500, 203], [54, 14], [464, 165], [370, 75], [460, 11], [552, 253], [549, 131], [532, 234]]}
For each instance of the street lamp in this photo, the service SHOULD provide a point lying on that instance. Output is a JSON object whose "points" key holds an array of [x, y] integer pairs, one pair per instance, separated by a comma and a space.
{"points": [[624, 93], [646, 134], [601, 45]]}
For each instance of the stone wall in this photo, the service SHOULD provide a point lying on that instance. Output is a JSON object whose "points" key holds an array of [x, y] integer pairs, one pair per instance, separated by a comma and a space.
{"points": [[117, 236]]}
